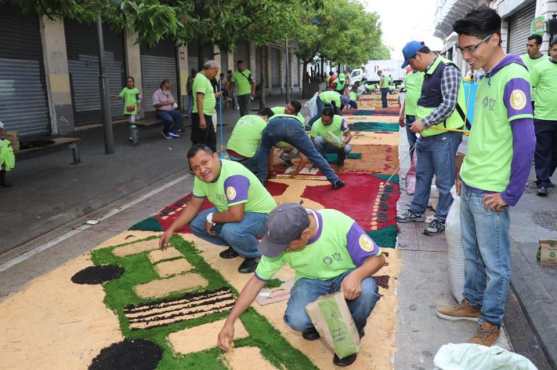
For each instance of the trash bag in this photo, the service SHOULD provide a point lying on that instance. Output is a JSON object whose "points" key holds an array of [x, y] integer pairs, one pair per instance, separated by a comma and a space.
{"points": [[455, 248], [468, 356], [309, 109]]}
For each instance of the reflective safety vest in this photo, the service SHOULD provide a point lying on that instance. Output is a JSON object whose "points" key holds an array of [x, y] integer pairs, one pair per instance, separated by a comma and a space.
{"points": [[431, 97]]}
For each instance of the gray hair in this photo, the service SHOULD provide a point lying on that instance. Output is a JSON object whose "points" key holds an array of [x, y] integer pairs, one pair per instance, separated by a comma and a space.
{"points": [[210, 64]]}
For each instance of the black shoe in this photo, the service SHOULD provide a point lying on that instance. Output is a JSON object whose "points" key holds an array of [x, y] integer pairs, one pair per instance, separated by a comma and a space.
{"points": [[434, 227], [310, 334], [338, 184], [248, 266], [346, 361], [228, 254], [542, 191]]}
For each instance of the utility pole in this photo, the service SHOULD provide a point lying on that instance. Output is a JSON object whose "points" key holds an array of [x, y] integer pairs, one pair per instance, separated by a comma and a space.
{"points": [[104, 92]]}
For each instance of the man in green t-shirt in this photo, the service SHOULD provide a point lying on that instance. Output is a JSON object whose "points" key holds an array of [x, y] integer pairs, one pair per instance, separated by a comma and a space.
{"points": [[533, 56], [240, 207], [330, 134], [413, 85], [246, 136], [329, 252], [384, 86], [494, 173], [245, 87], [544, 83], [204, 103], [293, 108], [329, 98]]}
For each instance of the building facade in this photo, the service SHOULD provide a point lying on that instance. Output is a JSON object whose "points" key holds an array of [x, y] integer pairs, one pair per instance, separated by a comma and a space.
{"points": [[49, 70], [518, 16]]}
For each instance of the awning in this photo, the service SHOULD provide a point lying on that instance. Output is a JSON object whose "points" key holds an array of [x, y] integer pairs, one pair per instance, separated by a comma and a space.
{"points": [[448, 12]]}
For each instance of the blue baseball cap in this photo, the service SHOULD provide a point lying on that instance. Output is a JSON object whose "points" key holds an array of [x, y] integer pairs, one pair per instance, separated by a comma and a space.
{"points": [[410, 50]]}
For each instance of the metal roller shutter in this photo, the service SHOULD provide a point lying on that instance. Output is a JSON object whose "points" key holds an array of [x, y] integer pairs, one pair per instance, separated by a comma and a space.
{"points": [[295, 71], [23, 98], [275, 71], [158, 63], [83, 64], [519, 29]]}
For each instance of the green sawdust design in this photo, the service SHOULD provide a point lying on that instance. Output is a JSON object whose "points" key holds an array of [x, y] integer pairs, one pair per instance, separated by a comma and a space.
{"points": [[374, 126], [333, 157], [138, 270], [393, 179], [149, 224], [384, 237]]}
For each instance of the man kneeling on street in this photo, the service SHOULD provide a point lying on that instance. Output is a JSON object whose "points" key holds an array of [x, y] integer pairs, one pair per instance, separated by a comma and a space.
{"points": [[329, 252], [241, 202], [330, 134]]}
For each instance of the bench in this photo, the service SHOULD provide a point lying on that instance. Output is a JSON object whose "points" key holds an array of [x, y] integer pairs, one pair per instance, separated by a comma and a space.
{"points": [[47, 144], [146, 123]]}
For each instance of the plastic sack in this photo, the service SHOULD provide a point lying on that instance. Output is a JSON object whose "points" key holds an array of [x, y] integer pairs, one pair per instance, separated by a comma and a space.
{"points": [[309, 109], [333, 321], [411, 176], [455, 248], [468, 356]]}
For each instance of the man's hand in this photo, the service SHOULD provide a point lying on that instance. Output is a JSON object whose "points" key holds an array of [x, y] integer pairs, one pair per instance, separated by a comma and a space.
{"points": [[351, 286], [202, 122], [401, 121], [417, 127], [226, 336], [494, 202], [209, 228], [458, 185], [165, 238]]}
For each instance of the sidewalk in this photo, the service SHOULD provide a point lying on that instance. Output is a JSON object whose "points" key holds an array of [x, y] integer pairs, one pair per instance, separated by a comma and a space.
{"points": [[48, 192]]}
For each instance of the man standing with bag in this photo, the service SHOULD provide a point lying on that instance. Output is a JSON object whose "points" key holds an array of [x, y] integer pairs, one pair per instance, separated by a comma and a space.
{"points": [[494, 172], [245, 87], [329, 252], [440, 117]]}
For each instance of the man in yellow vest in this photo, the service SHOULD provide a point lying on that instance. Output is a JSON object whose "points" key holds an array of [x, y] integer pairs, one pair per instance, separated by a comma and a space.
{"points": [[439, 119]]}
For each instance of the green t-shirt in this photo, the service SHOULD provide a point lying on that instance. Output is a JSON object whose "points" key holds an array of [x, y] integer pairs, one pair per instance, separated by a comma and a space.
{"points": [[330, 97], [544, 81], [353, 96], [130, 98], [413, 83], [242, 81], [235, 185], [331, 133], [201, 84], [246, 135], [385, 82], [500, 99], [279, 111], [531, 63], [340, 245]]}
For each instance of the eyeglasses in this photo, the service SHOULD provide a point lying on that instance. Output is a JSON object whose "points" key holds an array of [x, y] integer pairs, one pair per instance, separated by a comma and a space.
{"points": [[472, 48]]}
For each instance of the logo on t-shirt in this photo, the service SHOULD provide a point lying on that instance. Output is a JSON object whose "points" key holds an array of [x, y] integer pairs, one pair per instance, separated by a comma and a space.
{"points": [[518, 99], [365, 243], [231, 193]]}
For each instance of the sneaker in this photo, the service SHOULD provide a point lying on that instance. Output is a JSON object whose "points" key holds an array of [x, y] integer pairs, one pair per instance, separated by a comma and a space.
{"points": [[248, 266], [346, 361], [173, 135], [166, 137], [436, 226], [338, 184], [486, 335], [410, 216], [228, 254], [462, 311], [542, 191], [310, 334]]}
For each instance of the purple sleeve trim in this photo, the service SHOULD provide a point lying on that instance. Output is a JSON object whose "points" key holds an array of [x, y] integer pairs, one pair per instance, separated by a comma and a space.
{"points": [[524, 144], [517, 97], [236, 189], [360, 245]]}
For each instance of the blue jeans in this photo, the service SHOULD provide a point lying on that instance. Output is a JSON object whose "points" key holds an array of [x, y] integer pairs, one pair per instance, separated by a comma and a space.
{"points": [[436, 156], [240, 236], [384, 99], [306, 291], [412, 138], [289, 130], [171, 119], [487, 256], [324, 147]]}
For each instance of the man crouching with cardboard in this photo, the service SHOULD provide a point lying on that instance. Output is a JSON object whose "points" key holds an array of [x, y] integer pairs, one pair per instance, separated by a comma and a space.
{"points": [[329, 252]]}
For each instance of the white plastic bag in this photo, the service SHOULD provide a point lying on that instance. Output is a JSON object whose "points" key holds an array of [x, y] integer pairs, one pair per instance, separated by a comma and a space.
{"points": [[309, 109], [467, 356], [455, 249]]}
